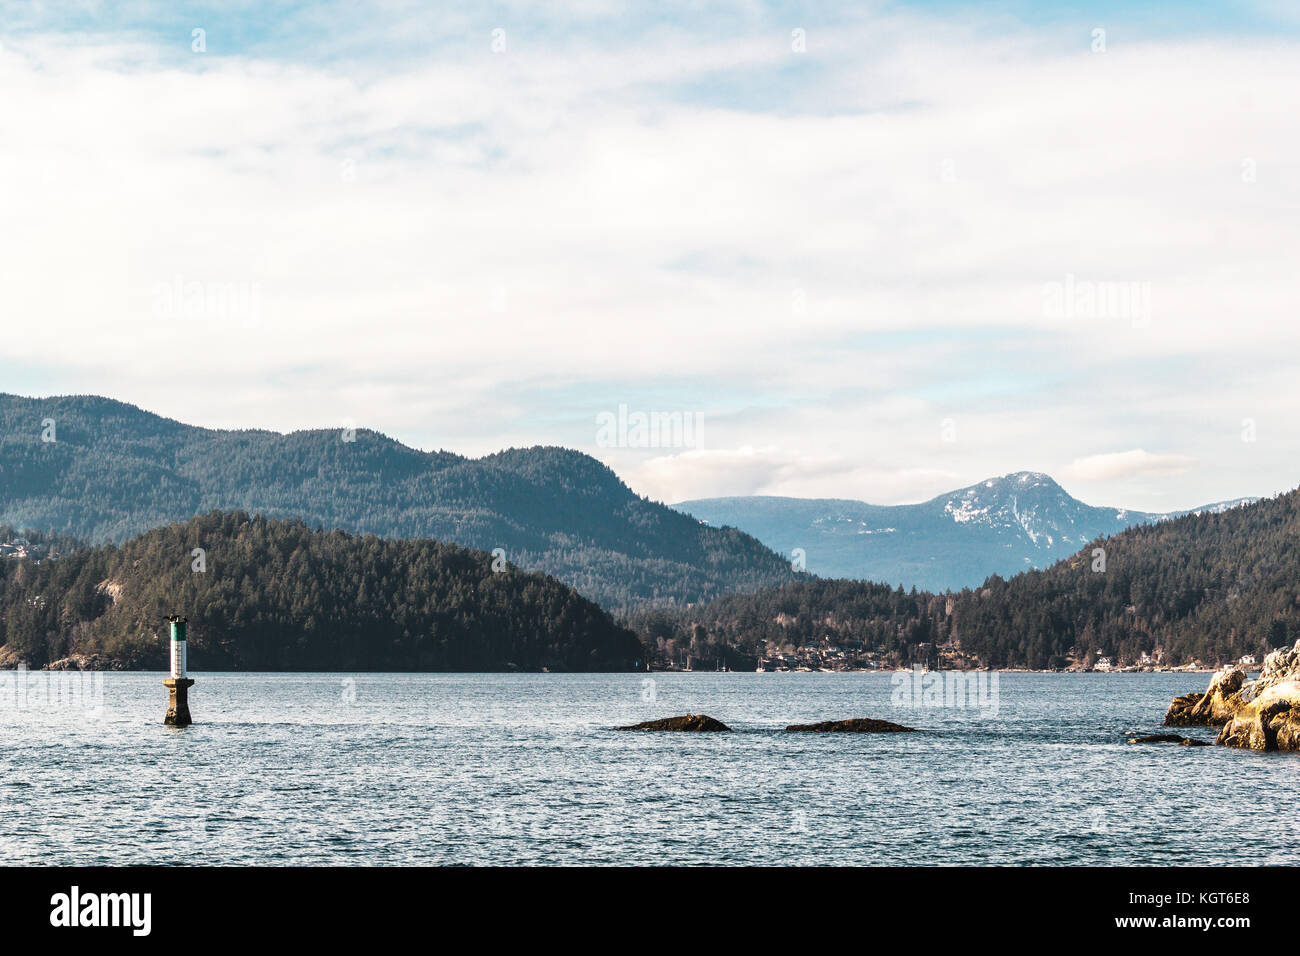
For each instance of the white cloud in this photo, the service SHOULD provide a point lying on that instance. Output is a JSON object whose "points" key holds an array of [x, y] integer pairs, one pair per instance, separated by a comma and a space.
{"points": [[783, 472], [1118, 466], [734, 471], [428, 238]]}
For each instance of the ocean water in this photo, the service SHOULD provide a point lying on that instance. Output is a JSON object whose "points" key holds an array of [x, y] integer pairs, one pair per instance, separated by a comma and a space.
{"points": [[523, 769]]}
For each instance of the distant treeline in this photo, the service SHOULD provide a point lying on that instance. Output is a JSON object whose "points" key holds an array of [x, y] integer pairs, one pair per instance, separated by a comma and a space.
{"points": [[266, 594], [1209, 587]]}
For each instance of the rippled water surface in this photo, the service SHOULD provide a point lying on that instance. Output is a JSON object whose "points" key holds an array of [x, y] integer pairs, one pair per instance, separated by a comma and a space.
{"points": [[505, 769]]}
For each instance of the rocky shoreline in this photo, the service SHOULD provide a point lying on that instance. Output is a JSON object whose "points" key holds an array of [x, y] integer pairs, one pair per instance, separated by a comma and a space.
{"points": [[1260, 714]]}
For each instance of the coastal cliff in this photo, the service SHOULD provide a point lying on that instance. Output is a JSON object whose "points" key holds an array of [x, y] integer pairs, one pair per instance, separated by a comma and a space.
{"points": [[1263, 714]]}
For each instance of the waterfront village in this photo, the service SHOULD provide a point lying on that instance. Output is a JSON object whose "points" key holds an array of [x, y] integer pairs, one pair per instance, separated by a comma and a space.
{"points": [[831, 656]]}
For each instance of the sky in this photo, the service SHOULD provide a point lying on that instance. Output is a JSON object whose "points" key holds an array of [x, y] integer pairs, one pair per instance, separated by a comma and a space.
{"points": [[863, 250]]}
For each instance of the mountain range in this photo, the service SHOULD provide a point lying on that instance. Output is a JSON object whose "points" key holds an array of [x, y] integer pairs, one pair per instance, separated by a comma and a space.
{"points": [[1000, 526], [105, 471], [337, 566]]}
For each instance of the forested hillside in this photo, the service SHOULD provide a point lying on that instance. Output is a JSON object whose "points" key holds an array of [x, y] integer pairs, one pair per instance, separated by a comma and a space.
{"points": [[1209, 587], [277, 595], [114, 471]]}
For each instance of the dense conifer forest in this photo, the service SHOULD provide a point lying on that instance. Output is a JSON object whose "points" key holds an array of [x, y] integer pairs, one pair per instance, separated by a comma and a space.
{"points": [[267, 594]]}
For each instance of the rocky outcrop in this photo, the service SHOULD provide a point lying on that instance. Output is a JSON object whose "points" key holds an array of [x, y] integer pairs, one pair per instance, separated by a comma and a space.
{"points": [[84, 662], [1271, 721], [857, 725], [695, 723], [1180, 711], [1215, 707], [111, 589], [1168, 739], [10, 659], [1263, 714]]}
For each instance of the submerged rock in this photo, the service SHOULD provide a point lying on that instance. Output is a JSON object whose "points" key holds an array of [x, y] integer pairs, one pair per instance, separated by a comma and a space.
{"points": [[1168, 739], [1263, 714], [857, 725], [700, 723]]}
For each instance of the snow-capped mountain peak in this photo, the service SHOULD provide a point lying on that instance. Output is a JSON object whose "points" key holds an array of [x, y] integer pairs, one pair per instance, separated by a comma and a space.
{"points": [[1025, 502], [1001, 525]]}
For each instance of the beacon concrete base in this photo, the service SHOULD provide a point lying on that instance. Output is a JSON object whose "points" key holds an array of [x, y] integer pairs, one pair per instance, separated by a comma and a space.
{"points": [[178, 705]]}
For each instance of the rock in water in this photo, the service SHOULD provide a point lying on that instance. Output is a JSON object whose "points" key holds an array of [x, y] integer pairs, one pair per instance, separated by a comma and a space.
{"points": [[858, 725], [1262, 714], [1270, 721], [1180, 711], [1168, 739], [700, 723], [1215, 707]]}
